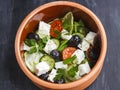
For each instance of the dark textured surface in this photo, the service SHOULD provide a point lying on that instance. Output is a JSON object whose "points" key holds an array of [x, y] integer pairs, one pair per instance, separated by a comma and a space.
{"points": [[12, 13]]}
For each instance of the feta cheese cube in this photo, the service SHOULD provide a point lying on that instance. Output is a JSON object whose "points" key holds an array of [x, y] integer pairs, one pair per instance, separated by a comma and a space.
{"points": [[90, 37], [80, 56], [41, 68], [60, 65], [44, 28], [50, 45], [84, 68], [64, 35], [84, 45], [52, 75]]}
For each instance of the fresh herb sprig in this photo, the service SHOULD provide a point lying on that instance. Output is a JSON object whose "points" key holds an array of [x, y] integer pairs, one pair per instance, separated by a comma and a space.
{"points": [[69, 60]]}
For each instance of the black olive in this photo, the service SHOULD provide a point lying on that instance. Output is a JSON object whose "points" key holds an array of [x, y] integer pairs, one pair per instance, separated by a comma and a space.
{"points": [[94, 53], [37, 37], [74, 41], [60, 81], [33, 36], [56, 54], [44, 76]]}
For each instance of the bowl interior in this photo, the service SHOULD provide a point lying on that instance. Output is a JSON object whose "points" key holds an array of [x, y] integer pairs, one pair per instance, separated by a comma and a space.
{"points": [[57, 11]]}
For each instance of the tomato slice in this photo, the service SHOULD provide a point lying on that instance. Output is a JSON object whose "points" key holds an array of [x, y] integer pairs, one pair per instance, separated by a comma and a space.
{"points": [[56, 27], [67, 52]]}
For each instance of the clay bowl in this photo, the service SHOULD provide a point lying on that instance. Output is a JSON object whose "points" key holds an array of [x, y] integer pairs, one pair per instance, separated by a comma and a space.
{"points": [[47, 13]]}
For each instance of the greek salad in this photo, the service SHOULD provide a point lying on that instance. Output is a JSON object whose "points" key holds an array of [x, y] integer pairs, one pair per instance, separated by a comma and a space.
{"points": [[61, 51]]}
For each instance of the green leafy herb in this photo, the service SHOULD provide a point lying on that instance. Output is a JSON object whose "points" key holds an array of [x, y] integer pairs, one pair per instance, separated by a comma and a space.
{"points": [[69, 60], [72, 71], [32, 50], [58, 34], [41, 46], [60, 70], [30, 42], [75, 26], [83, 31], [44, 40], [57, 77], [62, 48], [63, 45], [60, 74]]}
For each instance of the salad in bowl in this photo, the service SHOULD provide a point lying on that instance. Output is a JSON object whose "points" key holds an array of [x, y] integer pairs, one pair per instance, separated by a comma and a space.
{"points": [[62, 50]]}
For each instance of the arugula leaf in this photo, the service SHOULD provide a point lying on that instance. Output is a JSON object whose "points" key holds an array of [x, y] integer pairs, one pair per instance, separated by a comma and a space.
{"points": [[69, 60], [30, 42], [32, 50], [72, 71]]}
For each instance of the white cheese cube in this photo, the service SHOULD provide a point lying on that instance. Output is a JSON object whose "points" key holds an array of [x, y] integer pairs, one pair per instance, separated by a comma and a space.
{"points": [[84, 68], [52, 75], [60, 65], [64, 35], [41, 68], [80, 56], [44, 28], [84, 45], [90, 37], [50, 45]]}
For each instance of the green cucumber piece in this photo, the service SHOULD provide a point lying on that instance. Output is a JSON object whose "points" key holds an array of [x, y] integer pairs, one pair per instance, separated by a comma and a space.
{"points": [[67, 21], [32, 59], [56, 41], [50, 61]]}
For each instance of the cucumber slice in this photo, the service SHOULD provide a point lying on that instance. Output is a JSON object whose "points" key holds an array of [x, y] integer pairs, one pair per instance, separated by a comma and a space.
{"points": [[32, 59], [50, 61], [56, 42], [67, 21]]}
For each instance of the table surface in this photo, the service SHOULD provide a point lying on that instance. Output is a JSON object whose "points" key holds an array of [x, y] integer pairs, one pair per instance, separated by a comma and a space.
{"points": [[12, 12]]}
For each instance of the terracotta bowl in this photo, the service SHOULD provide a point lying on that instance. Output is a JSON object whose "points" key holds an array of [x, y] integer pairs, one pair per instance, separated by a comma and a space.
{"points": [[47, 13]]}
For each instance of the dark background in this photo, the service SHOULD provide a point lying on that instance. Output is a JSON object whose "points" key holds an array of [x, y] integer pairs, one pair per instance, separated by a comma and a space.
{"points": [[12, 12]]}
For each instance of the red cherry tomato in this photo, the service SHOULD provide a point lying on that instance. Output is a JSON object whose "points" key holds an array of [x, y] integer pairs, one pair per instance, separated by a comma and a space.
{"points": [[67, 52], [56, 25]]}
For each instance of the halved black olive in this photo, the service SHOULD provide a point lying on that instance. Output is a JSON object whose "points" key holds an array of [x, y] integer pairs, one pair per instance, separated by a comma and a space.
{"points": [[74, 41], [32, 35]]}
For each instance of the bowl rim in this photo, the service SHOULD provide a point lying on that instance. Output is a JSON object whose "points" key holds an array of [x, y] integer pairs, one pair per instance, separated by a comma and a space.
{"points": [[46, 84]]}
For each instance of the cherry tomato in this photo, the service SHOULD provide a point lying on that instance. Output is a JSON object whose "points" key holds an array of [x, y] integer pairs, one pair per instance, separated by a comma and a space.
{"points": [[56, 25], [67, 52]]}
